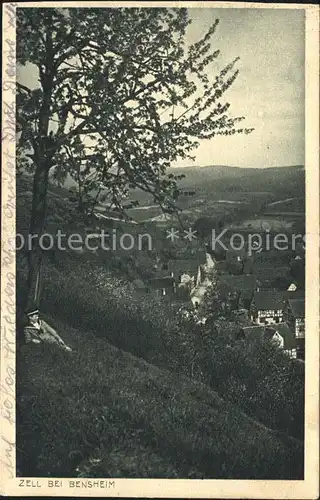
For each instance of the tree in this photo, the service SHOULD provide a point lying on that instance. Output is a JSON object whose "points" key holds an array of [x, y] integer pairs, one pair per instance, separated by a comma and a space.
{"points": [[253, 373], [219, 301], [120, 97], [204, 226]]}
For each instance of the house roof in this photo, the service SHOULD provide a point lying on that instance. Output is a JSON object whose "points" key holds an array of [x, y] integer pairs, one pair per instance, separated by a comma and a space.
{"points": [[243, 283], [221, 266], [269, 300], [159, 283], [232, 254], [289, 341], [240, 281], [266, 274], [188, 266], [297, 307], [235, 252], [257, 330], [294, 294], [297, 261], [247, 266]]}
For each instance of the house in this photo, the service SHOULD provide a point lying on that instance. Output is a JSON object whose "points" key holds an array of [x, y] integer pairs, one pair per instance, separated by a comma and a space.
{"points": [[236, 260], [240, 262], [267, 307], [221, 267], [203, 281], [210, 263], [297, 272], [255, 331], [186, 271], [268, 276], [279, 334], [285, 339], [294, 294], [292, 287], [236, 256], [241, 286], [294, 315], [248, 267], [240, 316], [188, 193], [198, 292], [160, 286]]}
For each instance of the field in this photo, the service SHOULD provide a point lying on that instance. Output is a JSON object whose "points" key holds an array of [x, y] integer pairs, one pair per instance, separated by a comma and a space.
{"points": [[227, 193], [235, 194], [264, 223]]}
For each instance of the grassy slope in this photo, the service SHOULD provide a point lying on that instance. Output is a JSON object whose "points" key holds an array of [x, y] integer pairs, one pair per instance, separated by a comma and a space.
{"points": [[140, 421]]}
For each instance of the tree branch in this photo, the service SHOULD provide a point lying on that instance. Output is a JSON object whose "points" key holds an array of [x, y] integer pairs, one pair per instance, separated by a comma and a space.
{"points": [[23, 87]]}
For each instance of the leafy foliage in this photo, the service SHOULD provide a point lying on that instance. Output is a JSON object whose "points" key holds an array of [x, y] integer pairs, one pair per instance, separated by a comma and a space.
{"points": [[120, 96], [254, 374]]}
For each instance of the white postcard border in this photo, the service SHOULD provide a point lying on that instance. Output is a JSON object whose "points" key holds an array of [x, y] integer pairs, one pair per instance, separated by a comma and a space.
{"points": [[166, 488]]}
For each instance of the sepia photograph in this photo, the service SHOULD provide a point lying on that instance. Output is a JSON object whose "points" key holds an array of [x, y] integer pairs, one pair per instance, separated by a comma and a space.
{"points": [[160, 249]]}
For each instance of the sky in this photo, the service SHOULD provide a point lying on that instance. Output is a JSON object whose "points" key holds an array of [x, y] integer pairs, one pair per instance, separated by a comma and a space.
{"points": [[269, 90]]}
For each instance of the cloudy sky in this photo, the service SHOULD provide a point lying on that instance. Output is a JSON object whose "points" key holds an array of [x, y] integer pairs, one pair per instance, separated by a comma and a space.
{"points": [[269, 90]]}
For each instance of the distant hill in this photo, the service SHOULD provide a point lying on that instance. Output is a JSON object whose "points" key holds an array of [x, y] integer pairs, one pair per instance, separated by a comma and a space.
{"points": [[223, 177], [220, 189], [219, 178], [225, 171]]}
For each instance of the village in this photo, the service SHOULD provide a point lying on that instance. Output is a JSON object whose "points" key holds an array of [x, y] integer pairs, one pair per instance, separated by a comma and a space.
{"points": [[261, 292], [260, 302]]}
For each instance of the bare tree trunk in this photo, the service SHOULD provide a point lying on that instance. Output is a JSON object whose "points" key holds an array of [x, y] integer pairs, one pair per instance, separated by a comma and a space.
{"points": [[34, 253], [44, 150], [45, 146], [80, 196], [38, 215]]}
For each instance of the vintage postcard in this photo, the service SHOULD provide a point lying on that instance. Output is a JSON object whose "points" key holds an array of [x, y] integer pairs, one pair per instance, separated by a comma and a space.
{"points": [[160, 250]]}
